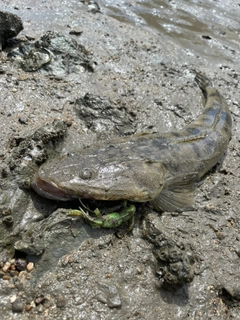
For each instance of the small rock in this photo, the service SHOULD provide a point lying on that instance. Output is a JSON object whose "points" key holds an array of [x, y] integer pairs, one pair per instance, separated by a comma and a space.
{"points": [[10, 26], [109, 295], [30, 266], [17, 305], [40, 308], [93, 7], [39, 299], [76, 31], [21, 264], [220, 235], [13, 298], [61, 301], [28, 307], [23, 120], [6, 266]]}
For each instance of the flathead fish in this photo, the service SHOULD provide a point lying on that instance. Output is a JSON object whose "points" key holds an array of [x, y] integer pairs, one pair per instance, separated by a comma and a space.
{"points": [[160, 168]]}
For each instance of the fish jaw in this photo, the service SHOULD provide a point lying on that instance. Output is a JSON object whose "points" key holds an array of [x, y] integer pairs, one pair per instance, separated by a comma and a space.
{"points": [[49, 190]]}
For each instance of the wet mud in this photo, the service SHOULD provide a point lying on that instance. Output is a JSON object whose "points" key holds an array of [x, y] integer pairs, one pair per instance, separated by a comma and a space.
{"points": [[108, 78]]}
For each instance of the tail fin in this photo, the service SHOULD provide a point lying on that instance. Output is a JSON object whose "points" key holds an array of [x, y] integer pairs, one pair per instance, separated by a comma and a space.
{"points": [[203, 82]]}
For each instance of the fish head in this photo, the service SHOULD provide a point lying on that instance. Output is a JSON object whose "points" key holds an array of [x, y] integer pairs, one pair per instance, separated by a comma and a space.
{"points": [[91, 176]]}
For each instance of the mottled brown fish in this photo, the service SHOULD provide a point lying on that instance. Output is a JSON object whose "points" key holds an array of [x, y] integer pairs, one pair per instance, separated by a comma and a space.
{"points": [[160, 168]]}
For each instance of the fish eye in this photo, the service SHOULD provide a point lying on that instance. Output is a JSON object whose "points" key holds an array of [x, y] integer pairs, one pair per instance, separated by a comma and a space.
{"points": [[86, 174]]}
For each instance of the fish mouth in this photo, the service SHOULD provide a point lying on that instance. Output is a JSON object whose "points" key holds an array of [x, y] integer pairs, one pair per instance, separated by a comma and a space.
{"points": [[49, 190]]}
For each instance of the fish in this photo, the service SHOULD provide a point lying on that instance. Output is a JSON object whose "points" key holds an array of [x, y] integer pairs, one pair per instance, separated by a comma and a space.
{"points": [[160, 168]]}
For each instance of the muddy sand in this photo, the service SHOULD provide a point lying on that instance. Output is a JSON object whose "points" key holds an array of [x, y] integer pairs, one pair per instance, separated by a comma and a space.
{"points": [[107, 79]]}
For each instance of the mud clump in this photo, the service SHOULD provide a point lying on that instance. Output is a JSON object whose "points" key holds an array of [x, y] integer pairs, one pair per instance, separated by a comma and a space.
{"points": [[53, 53], [103, 115], [174, 260], [29, 149]]}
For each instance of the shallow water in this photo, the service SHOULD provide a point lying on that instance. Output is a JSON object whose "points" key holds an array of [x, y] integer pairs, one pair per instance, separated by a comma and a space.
{"points": [[204, 27]]}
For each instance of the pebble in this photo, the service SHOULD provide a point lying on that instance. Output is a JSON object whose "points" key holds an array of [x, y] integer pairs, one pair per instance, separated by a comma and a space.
{"points": [[6, 266], [28, 307], [21, 264], [61, 301], [39, 299], [30, 266], [109, 295], [76, 31], [17, 305], [13, 298], [40, 308], [23, 120]]}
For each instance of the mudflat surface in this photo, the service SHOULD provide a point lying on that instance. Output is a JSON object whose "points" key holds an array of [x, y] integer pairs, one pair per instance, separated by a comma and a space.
{"points": [[171, 266]]}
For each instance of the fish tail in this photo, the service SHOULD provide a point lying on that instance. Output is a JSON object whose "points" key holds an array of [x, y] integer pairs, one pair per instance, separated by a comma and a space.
{"points": [[203, 82]]}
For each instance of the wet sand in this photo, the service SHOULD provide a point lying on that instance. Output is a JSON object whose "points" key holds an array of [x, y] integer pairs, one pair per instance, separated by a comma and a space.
{"points": [[172, 266]]}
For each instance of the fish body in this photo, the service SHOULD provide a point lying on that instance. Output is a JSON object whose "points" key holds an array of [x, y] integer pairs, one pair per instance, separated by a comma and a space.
{"points": [[160, 168]]}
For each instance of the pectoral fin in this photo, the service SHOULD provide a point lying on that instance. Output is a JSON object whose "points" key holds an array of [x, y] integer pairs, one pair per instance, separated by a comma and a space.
{"points": [[177, 193]]}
